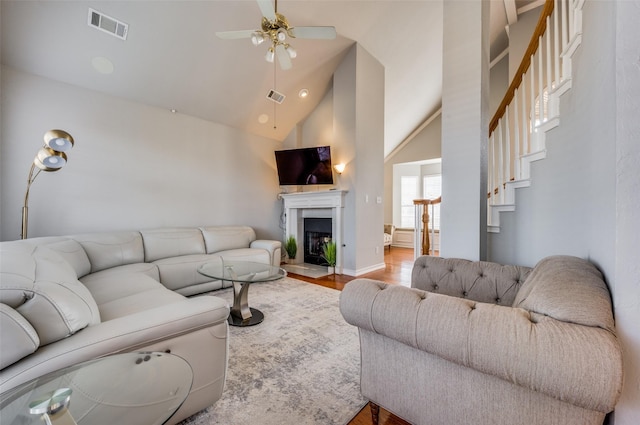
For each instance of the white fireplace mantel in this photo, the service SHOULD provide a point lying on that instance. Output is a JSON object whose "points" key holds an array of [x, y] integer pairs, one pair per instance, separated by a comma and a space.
{"points": [[299, 205]]}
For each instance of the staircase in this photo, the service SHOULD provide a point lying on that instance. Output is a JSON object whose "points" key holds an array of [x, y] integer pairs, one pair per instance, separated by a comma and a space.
{"points": [[531, 106]]}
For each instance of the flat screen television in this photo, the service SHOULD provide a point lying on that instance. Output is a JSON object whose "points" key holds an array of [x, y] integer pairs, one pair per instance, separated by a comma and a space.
{"points": [[304, 166]]}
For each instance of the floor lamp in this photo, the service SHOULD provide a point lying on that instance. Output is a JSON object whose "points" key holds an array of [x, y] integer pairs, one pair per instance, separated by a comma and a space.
{"points": [[51, 157]]}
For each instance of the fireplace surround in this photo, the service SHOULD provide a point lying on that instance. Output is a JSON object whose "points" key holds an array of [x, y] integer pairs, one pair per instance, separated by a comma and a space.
{"points": [[327, 204]]}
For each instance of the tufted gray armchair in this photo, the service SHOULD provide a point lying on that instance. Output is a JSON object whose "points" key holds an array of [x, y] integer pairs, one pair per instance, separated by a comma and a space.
{"points": [[483, 343]]}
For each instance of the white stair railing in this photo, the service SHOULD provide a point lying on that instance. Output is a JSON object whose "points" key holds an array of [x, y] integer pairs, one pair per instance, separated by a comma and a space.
{"points": [[530, 107]]}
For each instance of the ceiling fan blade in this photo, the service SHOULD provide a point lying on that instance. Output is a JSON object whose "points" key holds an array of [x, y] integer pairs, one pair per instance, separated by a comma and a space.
{"points": [[267, 9], [326, 33], [232, 35], [283, 57]]}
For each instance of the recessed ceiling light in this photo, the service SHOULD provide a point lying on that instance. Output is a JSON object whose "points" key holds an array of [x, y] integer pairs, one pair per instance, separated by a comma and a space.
{"points": [[102, 65], [303, 93], [263, 119]]}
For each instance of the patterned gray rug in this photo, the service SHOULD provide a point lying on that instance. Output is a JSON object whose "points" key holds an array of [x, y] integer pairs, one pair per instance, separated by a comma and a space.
{"points": [[300, 366]]}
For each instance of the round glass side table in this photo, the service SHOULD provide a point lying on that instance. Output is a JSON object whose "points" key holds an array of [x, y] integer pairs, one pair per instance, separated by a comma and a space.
{"points": [[242, 274], [143, 388]]}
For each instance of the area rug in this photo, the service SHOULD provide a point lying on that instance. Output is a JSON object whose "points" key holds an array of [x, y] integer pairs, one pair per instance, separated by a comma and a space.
{"points": [[300, 366]]}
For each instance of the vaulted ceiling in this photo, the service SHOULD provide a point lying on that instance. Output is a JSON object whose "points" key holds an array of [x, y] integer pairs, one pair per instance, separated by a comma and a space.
{"points": [[172, 59]]}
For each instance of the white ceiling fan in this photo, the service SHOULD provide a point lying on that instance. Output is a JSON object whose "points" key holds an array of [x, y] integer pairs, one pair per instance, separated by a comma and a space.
{"points": [[276, 29]]}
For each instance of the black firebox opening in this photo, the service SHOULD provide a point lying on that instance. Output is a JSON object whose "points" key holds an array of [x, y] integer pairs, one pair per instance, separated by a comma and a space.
{"points": [[317, 232]]}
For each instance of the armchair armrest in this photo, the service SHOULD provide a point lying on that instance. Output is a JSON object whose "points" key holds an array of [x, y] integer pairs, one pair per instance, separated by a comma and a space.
{"points": [[529, 350], [272, 247]]}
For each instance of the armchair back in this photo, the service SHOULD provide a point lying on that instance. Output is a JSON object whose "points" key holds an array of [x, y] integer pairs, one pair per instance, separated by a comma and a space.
{"points": [[476, 280]]}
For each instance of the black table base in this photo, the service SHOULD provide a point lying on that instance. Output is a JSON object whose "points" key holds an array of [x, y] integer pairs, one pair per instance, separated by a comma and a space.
{"points": [[256, 317]]}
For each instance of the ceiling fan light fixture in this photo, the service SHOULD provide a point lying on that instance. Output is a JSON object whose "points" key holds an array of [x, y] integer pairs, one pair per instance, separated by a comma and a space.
{"points": [[291, 51], [270, 56], [257, 38], [275, 29]]}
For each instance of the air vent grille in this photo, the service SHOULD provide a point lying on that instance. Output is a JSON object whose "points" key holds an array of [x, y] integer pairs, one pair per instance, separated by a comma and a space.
{"points": [[102, 22], [275, 96]]}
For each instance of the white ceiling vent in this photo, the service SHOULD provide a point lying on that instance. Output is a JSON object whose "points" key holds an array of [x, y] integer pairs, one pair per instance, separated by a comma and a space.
{"points": [[275, 96], [102, 22]]}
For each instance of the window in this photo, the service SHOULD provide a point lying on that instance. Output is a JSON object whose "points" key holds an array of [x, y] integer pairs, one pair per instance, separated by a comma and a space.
{"points": [[432, 189], [408, 192], [411, 181]]}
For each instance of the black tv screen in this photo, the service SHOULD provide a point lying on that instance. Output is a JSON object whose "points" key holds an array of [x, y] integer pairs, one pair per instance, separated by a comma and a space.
{"points": [[304, 166]]}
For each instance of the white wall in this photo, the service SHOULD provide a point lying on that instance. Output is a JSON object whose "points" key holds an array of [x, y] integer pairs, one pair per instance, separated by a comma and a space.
{"points": [[133, 166]]}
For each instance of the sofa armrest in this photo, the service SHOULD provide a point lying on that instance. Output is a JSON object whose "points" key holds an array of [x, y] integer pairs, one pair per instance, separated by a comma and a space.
{"points": [[15, 328], [272, 247], [124, 334], [476, 280], [578, 364]]}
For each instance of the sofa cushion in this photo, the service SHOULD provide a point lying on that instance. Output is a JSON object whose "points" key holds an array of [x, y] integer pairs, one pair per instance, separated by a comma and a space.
{"points": [[221, 238], [107, 284], [129, 293], [15, 328], [74, 254], [569, 289], [246, 254], [106, 250], [38, 283], [171, 242], [180, 272]]}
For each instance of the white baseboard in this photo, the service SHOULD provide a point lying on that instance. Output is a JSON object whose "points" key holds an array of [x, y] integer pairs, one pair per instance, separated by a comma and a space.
{"points": [[365, 270]]}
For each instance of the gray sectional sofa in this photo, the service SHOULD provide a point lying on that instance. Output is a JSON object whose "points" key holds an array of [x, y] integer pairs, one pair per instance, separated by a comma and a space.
{"points": [[64, 300], [482, 343]]}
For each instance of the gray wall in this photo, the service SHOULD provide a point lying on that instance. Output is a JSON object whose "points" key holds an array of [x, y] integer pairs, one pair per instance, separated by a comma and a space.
{"points": [[133, 166], [465, 119], [570, 202], [519, 37], [425, 145], [350, 118], [499, 83], [368, 215], [359, 136], [626, 269], [584, 198]]}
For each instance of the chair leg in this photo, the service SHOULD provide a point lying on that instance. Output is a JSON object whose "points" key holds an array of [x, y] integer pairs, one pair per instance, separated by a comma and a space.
{"points": [[375, 412]]}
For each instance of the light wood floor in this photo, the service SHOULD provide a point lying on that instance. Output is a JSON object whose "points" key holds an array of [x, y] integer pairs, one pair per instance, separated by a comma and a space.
{"points": [[398, 265]]}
